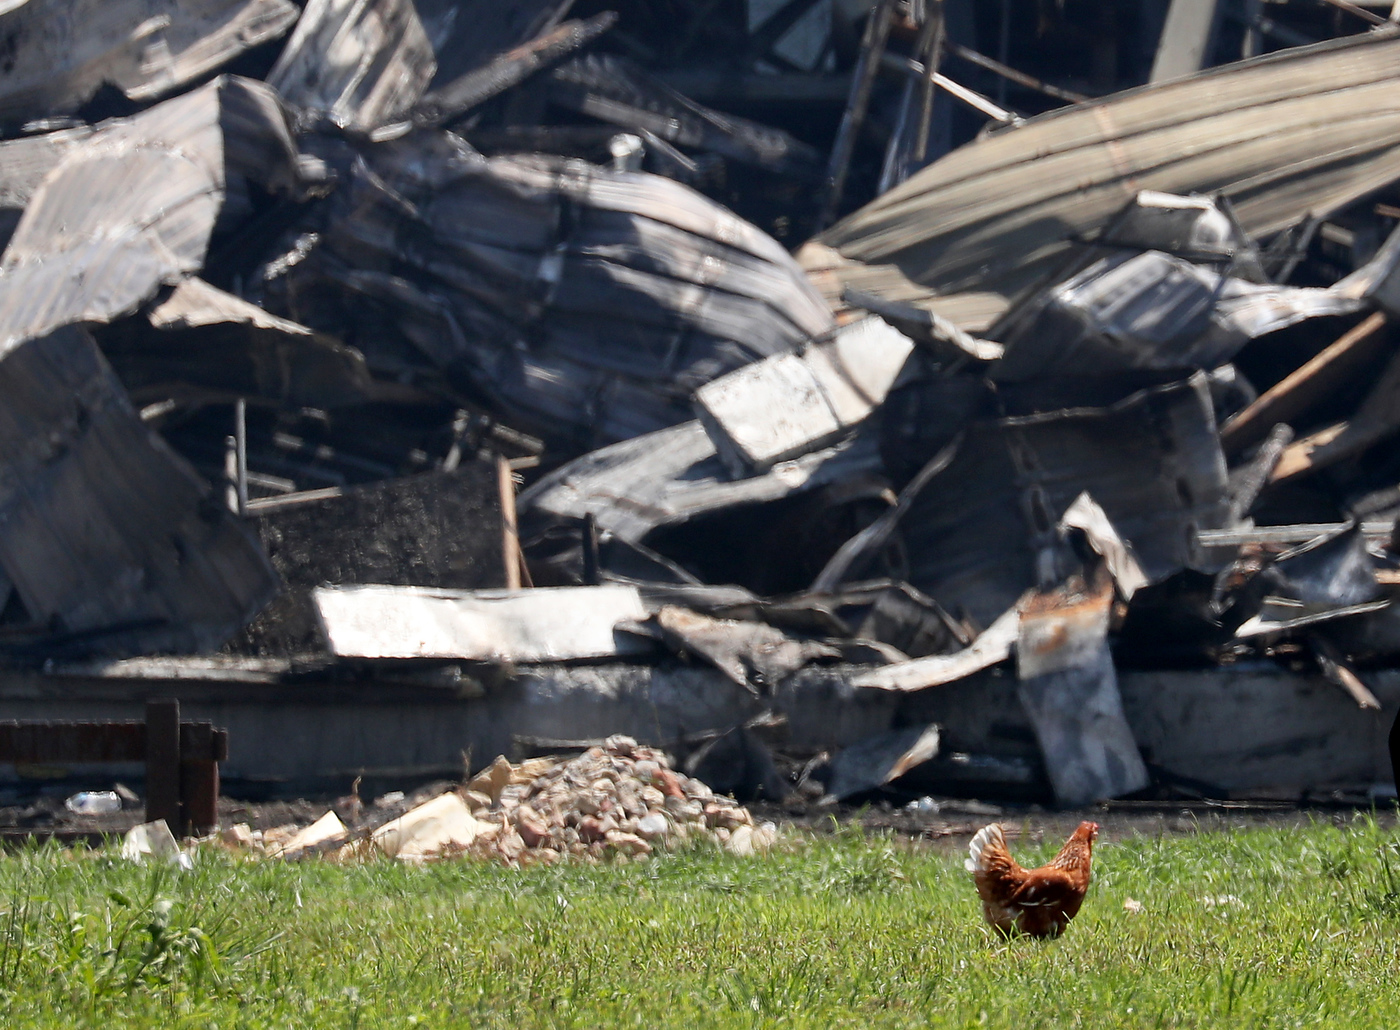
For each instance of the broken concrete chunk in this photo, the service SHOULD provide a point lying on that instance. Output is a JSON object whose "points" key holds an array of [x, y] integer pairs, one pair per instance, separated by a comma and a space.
{"points": [[547, 625], [437, 827], [492, 780], [324, 830]]}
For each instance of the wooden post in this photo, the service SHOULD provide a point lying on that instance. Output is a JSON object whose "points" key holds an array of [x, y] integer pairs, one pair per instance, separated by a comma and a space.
{"points": [[516, 573], [592, 575], [163, 763], [199, 777]]}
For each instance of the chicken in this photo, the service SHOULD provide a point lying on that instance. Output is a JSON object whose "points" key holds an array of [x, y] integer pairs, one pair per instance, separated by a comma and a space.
{"points": [[1037, 902]]}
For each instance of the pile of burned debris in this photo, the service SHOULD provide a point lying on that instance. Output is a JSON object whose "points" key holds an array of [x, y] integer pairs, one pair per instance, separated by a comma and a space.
{"points": [[294, 299]]}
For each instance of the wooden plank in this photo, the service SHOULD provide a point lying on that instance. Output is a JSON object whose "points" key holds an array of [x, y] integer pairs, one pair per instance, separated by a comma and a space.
{"points": [[43, 742], [1335, 667], [1377, 418], [163, 763], [511, 556], [1309, 383]]}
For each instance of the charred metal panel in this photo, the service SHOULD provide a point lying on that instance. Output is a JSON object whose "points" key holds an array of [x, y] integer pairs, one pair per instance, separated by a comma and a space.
{"points": [[112, 542], [364, 64], [675, 475], [584, 304], [132, 207], [975, 534], [59, 52], [1149, 311], [613, 89], [200, 344]]}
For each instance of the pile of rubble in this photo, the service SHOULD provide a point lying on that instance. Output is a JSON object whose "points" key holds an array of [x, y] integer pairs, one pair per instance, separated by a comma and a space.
{"points": [[616, 801], [1113, 386]]}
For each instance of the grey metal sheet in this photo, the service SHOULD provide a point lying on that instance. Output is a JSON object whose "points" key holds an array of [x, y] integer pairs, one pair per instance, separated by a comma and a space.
{"points": [[674, 475], [547, 625], [133, 206], [871, 763], [359, 64], [1300, 131], [61, 51], [25, 161], [583, 304], [364, 64], [201, 344], [791, 404], [992, 646], [977, 533], [112, 541], [1069, 688], [1150, 311]]}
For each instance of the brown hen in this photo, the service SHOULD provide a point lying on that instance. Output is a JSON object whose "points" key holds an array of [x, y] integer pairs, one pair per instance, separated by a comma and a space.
{"points": [[1037, 902]]}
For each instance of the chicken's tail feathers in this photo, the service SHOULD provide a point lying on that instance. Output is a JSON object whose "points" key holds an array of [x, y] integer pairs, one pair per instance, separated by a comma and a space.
{"points": [[988, 838]]}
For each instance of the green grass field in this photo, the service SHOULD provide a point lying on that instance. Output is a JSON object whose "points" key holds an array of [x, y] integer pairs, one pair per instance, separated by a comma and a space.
{"points": [[1261, 928]]}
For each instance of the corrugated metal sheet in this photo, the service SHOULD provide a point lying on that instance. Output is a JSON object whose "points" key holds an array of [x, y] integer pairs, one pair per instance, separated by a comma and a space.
{"points": [[675, 475], [58, 52], [111, 540], [584, 304], [202, 344], [546, 625], [1302, 131], [976, 534], [364, 64], [133, 206]]}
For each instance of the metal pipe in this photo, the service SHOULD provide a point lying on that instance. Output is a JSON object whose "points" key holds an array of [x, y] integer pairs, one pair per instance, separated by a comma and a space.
{"points": [[931, 52], [240, 439], [970, 97], [1019, 77], [1360, 12], [872, 46]]}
